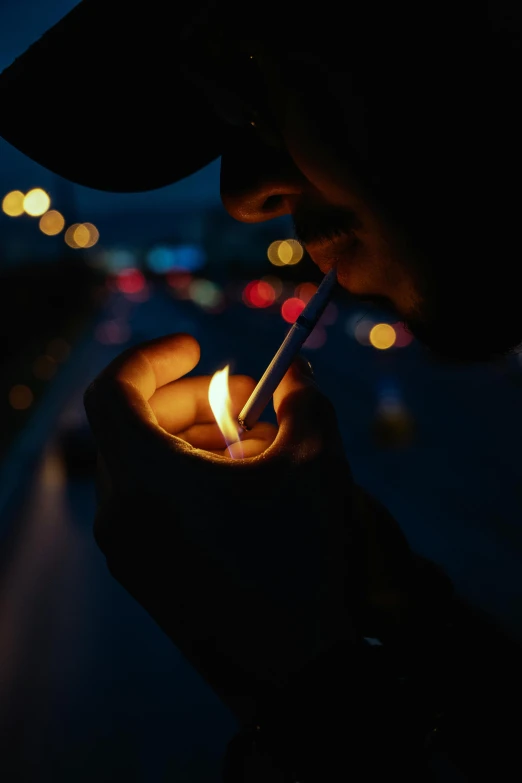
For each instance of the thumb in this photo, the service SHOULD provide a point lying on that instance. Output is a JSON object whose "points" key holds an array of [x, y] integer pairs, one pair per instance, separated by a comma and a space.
{"points": [[306, 418]]}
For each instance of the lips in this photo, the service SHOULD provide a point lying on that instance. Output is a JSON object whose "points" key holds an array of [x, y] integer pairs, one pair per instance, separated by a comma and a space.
{"points": [[331, 252]]}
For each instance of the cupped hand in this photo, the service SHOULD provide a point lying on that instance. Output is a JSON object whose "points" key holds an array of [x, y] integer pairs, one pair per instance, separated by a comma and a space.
{"points": [[252, 565]]}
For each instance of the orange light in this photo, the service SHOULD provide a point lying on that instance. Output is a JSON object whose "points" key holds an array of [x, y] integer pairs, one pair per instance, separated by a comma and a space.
{"points": [[36, 202], [292, 308], [69, 236], [51, 222], [276, 283], [13, 203], [305, 291], [221, 407], [44, 367], [20, 397], [84, 235]]}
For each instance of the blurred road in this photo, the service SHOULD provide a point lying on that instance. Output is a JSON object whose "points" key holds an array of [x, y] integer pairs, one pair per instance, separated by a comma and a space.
{"points": [[90, 688]]}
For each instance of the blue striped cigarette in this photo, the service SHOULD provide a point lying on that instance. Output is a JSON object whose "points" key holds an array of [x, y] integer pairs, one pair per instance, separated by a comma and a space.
{"points": [[288, 351]]}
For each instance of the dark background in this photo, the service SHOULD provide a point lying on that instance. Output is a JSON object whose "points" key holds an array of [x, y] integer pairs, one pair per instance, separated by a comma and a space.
{"points": [[90, 688]]}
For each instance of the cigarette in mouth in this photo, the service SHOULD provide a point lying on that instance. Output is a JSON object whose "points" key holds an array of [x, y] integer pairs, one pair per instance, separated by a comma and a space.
{"points": [[287, 352]]}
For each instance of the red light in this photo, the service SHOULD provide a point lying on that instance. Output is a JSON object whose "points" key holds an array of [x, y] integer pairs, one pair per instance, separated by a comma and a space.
{"points": [[292, 308], [130, 281], [259, 293], [403, 337], [305, 291]]}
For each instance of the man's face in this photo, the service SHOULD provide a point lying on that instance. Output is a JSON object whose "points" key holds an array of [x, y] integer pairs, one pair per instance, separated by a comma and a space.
{"points": [[447, 299]]}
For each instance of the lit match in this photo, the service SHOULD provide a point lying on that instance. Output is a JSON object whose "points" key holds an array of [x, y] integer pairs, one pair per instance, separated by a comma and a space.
{"points": [[288, 351]]}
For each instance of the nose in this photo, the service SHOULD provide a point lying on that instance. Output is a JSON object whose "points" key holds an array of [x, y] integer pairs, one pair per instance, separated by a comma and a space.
{"points": [[258, 182]]}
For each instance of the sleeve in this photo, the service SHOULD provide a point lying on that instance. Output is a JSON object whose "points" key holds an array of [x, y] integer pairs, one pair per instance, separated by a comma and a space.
{"points": [[346, 713]]}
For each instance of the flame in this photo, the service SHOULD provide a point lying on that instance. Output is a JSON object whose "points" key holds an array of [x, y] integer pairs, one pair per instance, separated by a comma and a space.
{"points": [[221, 406]]}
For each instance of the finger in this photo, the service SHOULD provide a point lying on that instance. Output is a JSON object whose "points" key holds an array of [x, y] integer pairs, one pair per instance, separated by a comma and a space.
{"points": [[184, 403], [306, 418], [117, 401], [209, 437]]}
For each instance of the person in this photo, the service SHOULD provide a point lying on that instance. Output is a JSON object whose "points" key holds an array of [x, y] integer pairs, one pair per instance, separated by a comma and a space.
{"points": [[391, 137]]}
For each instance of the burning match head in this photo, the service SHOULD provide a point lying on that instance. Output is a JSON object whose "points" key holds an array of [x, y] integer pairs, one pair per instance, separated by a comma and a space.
{"points": [[220, 404]]}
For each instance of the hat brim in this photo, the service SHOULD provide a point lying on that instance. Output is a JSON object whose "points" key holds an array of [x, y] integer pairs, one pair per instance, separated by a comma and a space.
{"points": [[101, 100]]}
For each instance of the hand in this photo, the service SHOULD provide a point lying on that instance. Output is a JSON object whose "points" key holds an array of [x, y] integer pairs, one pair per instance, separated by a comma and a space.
{"points": [[252, 566]]}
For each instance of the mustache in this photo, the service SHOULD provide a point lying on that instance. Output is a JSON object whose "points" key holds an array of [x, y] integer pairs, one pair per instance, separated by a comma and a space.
{"points": [[319, 224]]}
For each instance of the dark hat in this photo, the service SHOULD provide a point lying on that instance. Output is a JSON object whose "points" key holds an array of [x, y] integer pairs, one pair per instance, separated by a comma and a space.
{"points": [[101, 98]]}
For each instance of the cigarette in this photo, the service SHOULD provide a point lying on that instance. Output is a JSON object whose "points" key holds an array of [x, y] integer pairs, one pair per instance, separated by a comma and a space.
{"points": [[286, 354]]}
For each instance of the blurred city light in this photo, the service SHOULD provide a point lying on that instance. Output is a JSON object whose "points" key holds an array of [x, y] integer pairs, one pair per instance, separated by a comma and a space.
{"points": [[13, 203], [69, 236], [285, 252], [168, 258], [259, 293], [276, 283], [51, 222], [36, 202], [44, 367], [330, 314], [130, 281], [206, 294], [59, 349], [382, 336], [305, 291], [317, 338], [86, 235], [115, 331], [292, 308], [403, 336], [180, 282], [20, 397]]}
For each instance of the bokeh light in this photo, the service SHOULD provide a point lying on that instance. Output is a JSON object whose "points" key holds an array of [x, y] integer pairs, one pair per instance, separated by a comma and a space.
{"points": [[206, 294], [69, 236], [51, 222], [317, 338], [180, 283], [130, 281], [36, 202], [259, 293], [59, 349], [330, 314], [44, 367], [305, 291], [13, 203], [114, 331], [170, 258], [403, 336], [382, 336], [20, 397], [276, 283], [286, 252], [292, 308]]}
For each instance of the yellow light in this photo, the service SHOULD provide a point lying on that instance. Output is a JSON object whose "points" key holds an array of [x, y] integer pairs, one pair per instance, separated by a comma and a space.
{"points": [[51, 222], [290, 252], [36, 202], [382, 336], [13, 203], [81, 235], [273, 255], [221, 406], [20, 397], [94, 234], [69, 236]]}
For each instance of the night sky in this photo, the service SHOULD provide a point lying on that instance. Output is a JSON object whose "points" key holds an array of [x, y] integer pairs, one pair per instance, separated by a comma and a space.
{"points": [[21, 23]]}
